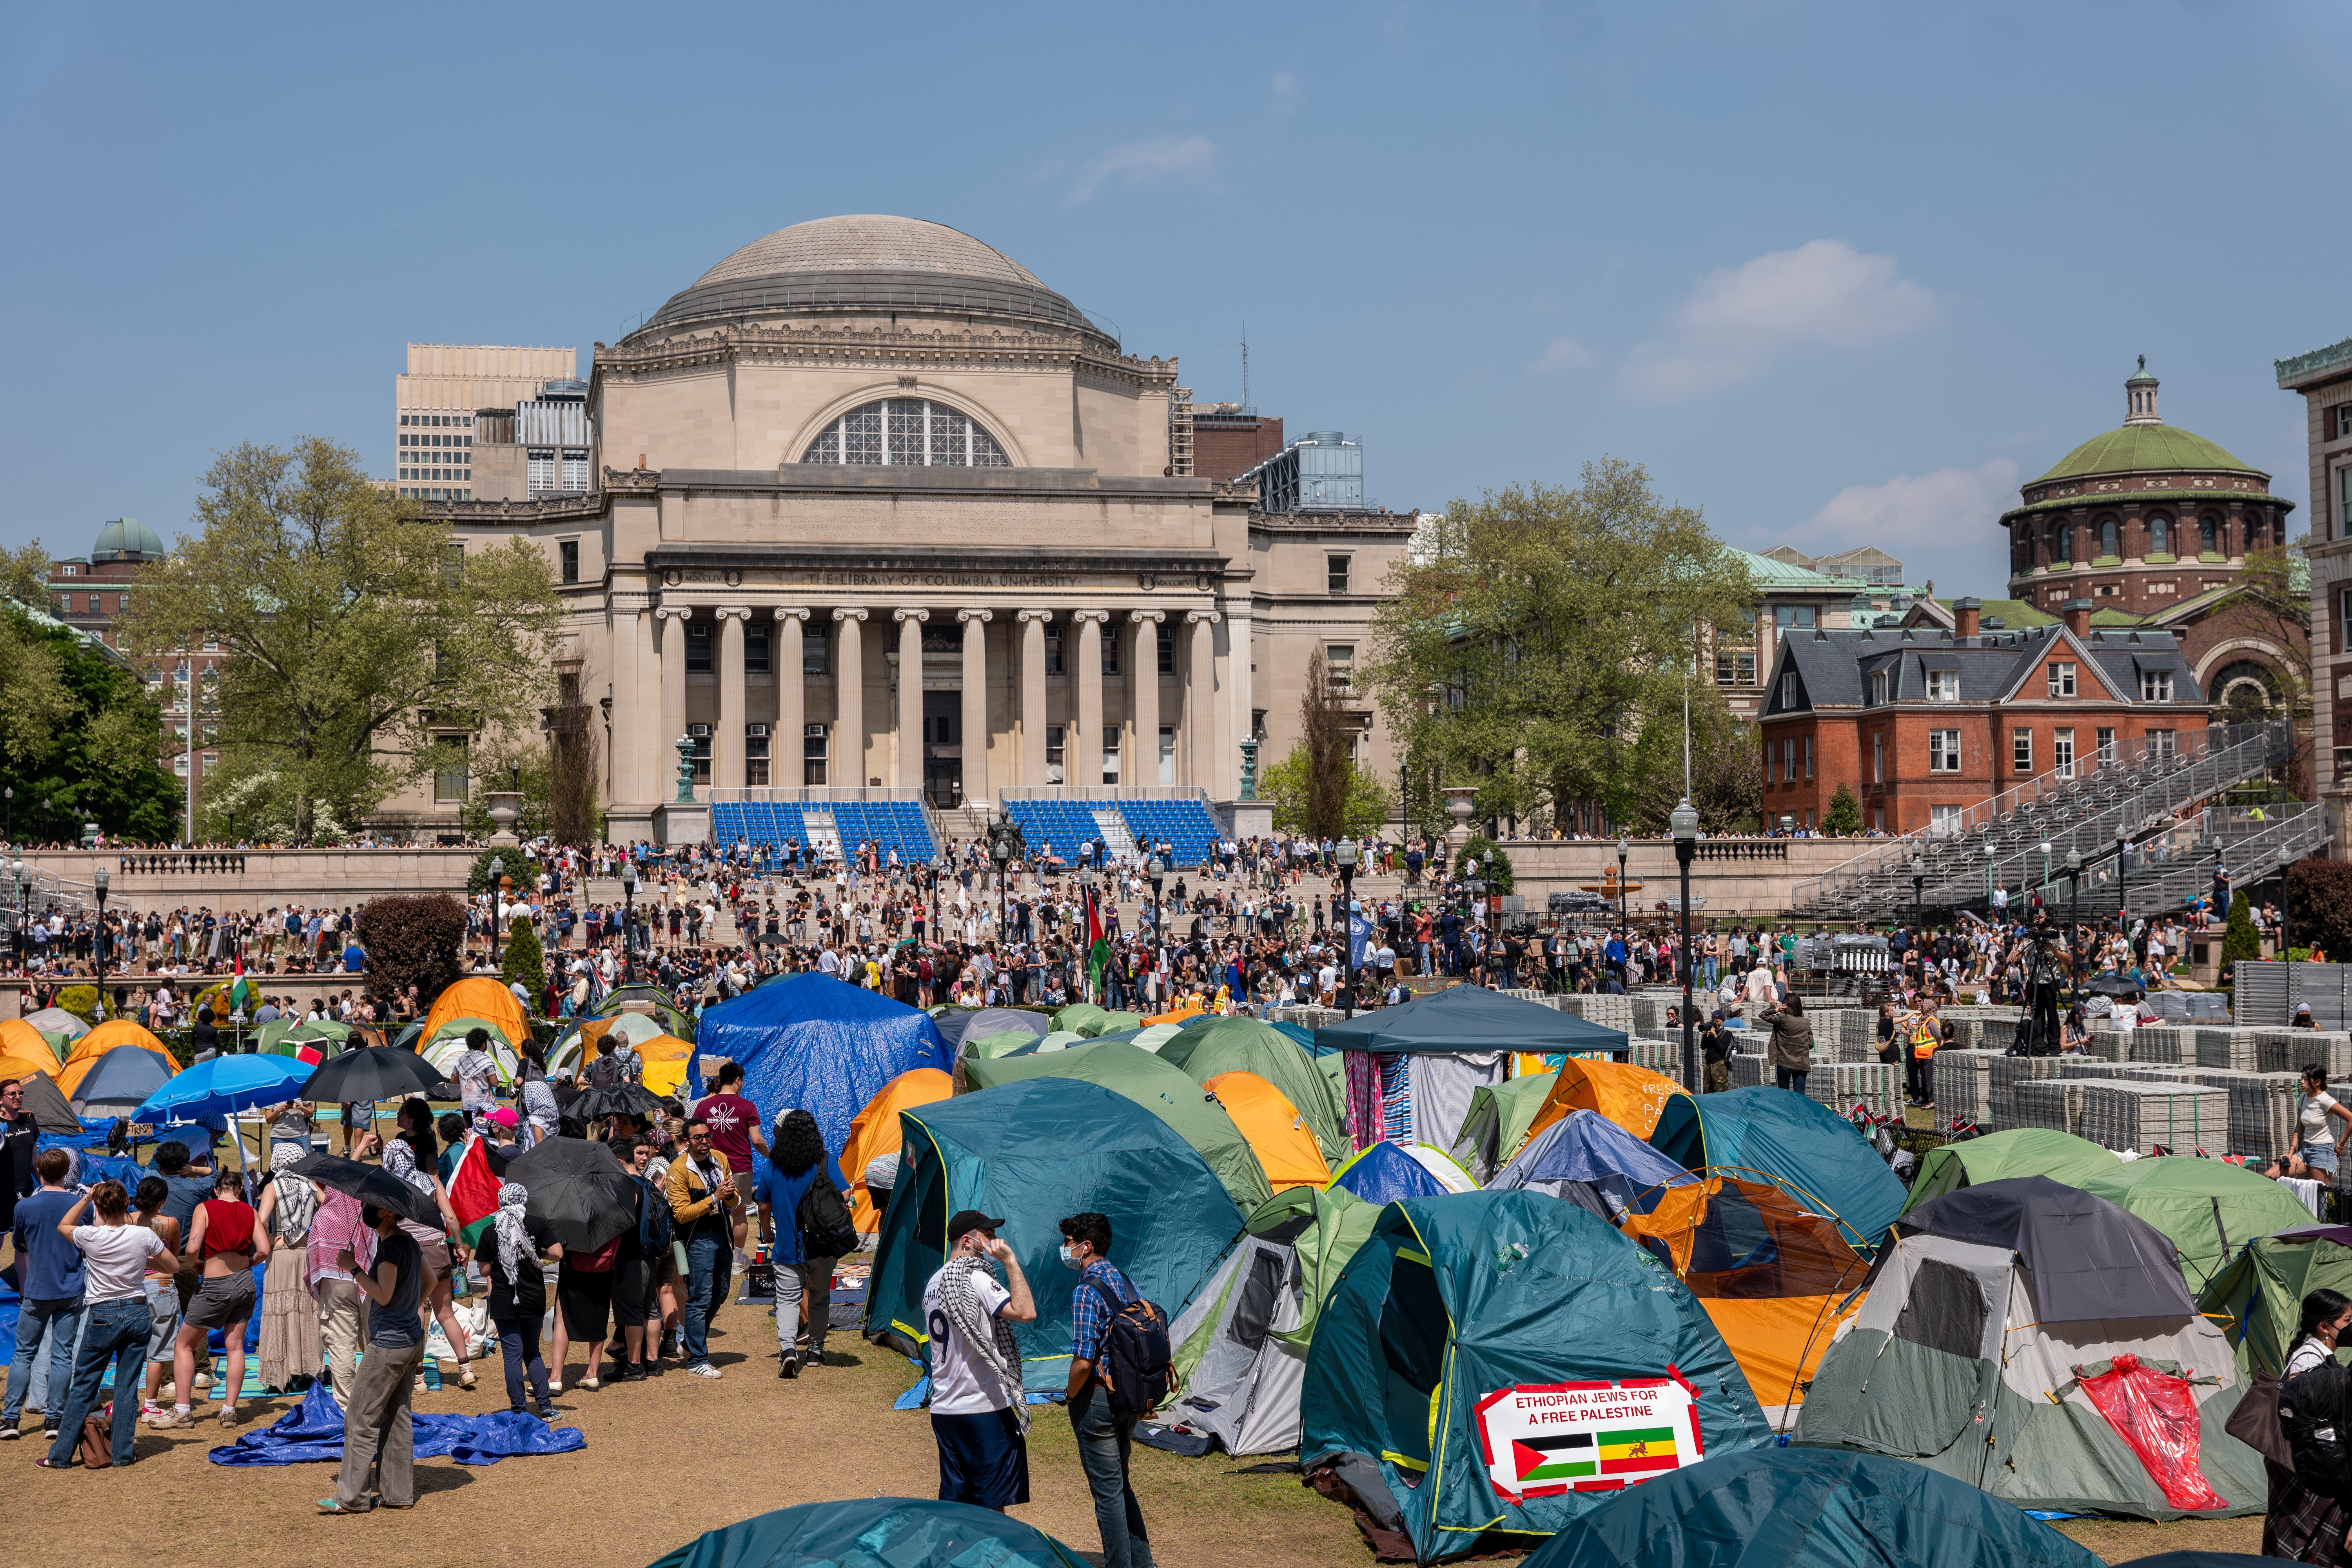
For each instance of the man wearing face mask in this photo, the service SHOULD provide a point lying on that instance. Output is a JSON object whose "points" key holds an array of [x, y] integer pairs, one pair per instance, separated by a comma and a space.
{"points": [[979, 1418], [1105, 1438]]}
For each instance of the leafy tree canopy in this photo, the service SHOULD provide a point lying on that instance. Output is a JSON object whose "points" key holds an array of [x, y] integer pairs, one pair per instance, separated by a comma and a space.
{"points": [[78, 736]]}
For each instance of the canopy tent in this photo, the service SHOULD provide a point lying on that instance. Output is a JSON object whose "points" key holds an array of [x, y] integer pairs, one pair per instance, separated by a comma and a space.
{"points": [[1594, 1164], [57, 1021], [1635, 1099], [1277, 1134], [1777, 1280], [1807, 1508], [1192, 1112], [812, 1042], [1468, 1019], [2020, 1152], [1212, 1047], [2258, 1297], [478, 996], [2010, 1331], [44, 1101], [1439, 1363], [1240, 1348], [19, 1039], [876, 1132], [119, 1082], [1384, 1173], [1801, 1144], [903, 1532], [2207, 1209], [1033, 1151], [1498, 1124]]}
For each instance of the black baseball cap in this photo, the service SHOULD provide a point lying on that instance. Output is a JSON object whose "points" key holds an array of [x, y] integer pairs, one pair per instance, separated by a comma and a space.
{"points": [[969, 1220]]}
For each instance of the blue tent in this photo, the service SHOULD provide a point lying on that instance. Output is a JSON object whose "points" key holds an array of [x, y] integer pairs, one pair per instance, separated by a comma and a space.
{"points": [[1033, 1152], [123, 1076], [1801, 1144], [1804, 1508], [1384, 1173], [904, 1532], [816, 1043], [1585, 1149]]}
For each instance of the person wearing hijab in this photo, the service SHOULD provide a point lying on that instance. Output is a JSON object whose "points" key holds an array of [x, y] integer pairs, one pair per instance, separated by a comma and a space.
{"points": [[291, 1347], [519, 1295]]}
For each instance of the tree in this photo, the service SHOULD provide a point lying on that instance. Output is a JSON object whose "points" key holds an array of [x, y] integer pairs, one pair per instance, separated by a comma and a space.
{"points": [[2319, 903], [1285, 784], [1323, 738], [1725, 769], [1541, 632], [77, 729], [2241, 939], [351, 628], [518, 866], [412, 939], [1483, 858], [523, 963], [1843, 819]]}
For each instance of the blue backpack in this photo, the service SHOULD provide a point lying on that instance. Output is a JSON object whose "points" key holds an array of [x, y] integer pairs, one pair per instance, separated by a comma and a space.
{"points": [[653, 1223]]}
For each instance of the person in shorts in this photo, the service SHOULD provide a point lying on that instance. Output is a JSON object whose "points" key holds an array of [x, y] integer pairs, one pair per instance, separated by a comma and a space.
{"points": [[2316, 1140], [225, 1242], [162, 1295], [979, 1418]]}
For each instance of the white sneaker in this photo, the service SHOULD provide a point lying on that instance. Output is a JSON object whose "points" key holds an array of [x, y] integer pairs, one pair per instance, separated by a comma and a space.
{"points": [[703, 1369]]}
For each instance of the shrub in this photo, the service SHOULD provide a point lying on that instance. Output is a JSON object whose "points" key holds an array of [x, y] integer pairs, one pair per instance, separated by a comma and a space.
{"points": [[412, 939], [522, 963], [83, 1002], [2240, 941], [1843, 819], [2319, 903], [1496, 872]]}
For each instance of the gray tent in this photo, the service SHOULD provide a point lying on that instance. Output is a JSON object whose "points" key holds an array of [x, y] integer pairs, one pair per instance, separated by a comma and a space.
{"points": [[1987, 1313], [45, 1102]]}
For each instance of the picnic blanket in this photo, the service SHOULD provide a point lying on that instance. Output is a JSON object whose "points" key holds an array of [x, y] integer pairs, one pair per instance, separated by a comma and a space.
{"points": [[312, 1433]]}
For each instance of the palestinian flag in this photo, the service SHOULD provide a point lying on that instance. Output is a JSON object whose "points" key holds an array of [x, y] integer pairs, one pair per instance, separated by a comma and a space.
{"points": [[1097, 945], [474, 1193], [240, 993], [1563, 1456], [300, 1050]]}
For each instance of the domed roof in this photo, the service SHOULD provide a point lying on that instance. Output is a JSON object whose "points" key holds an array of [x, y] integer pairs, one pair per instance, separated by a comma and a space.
{"points": [[871, 264], [125, 536], [870, 242], [2144, 449]]}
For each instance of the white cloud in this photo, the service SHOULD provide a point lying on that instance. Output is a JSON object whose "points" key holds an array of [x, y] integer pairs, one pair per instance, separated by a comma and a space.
{"points": [[1154, 158], [1561, 354], [1948, 510], [1285, 87], [1825, 293]]}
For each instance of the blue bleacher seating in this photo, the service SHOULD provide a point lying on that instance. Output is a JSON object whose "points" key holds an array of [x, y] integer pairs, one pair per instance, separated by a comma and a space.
{"points": [[1190, 831], [782, 825]]}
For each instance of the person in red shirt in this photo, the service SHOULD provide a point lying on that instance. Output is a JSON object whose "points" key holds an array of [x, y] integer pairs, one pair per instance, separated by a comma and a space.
{"points": [[734, 1132]]}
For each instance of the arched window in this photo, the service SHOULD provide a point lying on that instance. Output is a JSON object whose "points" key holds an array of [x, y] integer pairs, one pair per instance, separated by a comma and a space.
{"points": [[2209, 534], [2160, 536], [906, 433], [2061, 544], [2106, 536]]}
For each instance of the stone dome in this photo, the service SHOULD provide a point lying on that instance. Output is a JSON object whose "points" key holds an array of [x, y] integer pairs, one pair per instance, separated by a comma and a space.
{"points": [[126, 537], [868, 265]]}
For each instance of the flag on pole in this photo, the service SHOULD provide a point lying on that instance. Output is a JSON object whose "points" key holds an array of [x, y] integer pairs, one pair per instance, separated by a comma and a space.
{"points": [[474, 1192], [240, 992], [300, 1050], [1098, 945]]}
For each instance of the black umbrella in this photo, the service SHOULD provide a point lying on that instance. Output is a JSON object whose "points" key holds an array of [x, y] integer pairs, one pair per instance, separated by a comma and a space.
{"points": [[370, 1185], [579, 1189], [372, 1073], [2113, 985], [632, 1099]]}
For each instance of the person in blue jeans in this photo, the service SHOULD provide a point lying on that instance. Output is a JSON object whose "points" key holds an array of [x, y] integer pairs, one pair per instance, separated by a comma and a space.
{"points": [[52, 1295], [1106, 1438], [116, 1318], [701, 1192]]}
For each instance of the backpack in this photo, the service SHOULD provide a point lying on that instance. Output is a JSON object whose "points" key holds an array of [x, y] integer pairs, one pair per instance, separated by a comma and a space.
{"points": [[1133, 1363], [823, 1219], [597, 1262], [654, 1227], [2311, 1414]]}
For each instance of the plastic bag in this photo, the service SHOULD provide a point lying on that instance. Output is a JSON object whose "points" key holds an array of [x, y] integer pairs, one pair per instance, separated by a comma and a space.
{"points": [[2157, 1417]]}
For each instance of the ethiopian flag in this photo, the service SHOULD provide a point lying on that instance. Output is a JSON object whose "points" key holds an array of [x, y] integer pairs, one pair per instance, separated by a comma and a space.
{"points": [[474, 1193], [1636, 1450]]}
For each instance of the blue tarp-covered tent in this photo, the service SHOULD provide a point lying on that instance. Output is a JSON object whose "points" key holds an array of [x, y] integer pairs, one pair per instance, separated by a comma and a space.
{"points": [[1384, 1173], [1585, 1152], [1033, 1152], [1801, 1144], [816, 1043]]}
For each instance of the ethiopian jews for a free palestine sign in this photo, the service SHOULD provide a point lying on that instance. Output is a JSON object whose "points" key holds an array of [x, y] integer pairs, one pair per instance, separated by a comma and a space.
{"points": [[1541, 1440]]}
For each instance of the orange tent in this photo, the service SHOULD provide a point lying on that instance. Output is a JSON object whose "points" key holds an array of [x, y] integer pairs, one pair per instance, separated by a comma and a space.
{"points": [[876, 1132], [18, 1039], [98, 1042], [1633, 1097], [1189, 1008], [666, 1057], [16, 1066], [1277, 1134], [478, 996]]}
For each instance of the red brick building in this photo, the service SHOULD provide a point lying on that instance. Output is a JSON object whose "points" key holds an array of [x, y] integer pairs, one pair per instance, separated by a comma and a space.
{"points": [[1923, 723]]}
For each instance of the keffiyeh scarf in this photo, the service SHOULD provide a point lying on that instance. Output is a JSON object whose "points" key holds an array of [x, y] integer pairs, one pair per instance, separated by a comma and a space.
{"points": [[516, 1252], [297, 1200], [989, 1337]]}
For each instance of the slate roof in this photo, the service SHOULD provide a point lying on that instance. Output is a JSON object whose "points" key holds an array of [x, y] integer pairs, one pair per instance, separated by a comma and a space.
{"points": [[1833, 667]]}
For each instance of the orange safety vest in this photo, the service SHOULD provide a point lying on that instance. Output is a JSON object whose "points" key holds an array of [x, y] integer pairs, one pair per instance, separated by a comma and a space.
{"points": [[1927, 1033]]}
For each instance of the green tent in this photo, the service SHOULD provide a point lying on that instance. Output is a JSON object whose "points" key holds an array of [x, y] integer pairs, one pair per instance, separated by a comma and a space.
{"points": [[2258, 1298], [1435, 1384], [1086, 1018], [1034, 1152], [2207, 1209], [1152, 1084], [1001, 1043], [1245, 1045], [904, 1533], [2021, 1151], [1497, 1122]]}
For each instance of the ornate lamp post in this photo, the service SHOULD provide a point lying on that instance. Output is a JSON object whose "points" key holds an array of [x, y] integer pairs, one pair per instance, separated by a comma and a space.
{"points": [[498, 875], [628, 916], [1685, 824], [999, 849], [938, 870], [100, 878], [1624, 932], [1345, 854]]}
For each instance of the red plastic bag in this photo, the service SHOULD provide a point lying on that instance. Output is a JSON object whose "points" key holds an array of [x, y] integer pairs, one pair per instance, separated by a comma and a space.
{"points": [[2158, 1416]]}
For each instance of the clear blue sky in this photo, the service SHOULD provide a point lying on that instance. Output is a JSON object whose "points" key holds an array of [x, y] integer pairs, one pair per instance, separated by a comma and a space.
{"points": [[1836, 274]]}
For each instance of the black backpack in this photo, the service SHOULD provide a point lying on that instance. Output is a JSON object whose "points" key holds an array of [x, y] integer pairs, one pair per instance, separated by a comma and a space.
{"points": [[2311, 1414], [654, 1223], [825, 1229], [1133, 1361]]}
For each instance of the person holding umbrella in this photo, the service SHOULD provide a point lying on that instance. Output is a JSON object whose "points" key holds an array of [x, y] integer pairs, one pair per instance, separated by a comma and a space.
{"points": [[379, 1441]]}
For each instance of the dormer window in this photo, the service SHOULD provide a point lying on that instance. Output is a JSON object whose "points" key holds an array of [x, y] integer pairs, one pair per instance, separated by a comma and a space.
{"points": [[1878, 689], [1943, 686], [1788, 692]]}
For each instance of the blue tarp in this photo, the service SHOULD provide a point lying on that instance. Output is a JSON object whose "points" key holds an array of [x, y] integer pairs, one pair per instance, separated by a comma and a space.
{"points": [[312, 1433], [1801, 1144], [816, 1043], [1385, 1174], [1586, 1146]]}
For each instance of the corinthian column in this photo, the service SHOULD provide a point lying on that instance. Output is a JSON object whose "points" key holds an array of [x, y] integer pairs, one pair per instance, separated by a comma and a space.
{"points": [[784, 765], [1144, 768], [1083, 764], [1201, 760], [975, 705], [849, 698], [910, 696], [727, 734], [671, 722], [1033, 698]]}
